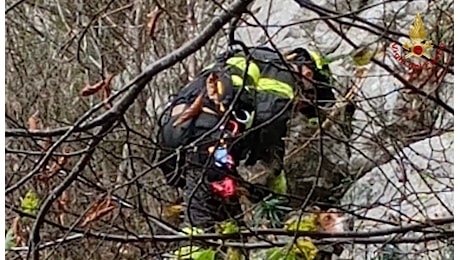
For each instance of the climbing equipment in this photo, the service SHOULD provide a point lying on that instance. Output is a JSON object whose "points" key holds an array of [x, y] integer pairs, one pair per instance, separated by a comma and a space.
{"points": [[226, 188]]}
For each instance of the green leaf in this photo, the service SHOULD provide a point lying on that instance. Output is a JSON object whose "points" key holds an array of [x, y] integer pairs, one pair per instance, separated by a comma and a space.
{"points": [[275, 218], [195, 253], [362, 56], [313, 122], [31, 203], [234, 254], [276, 253], [304, 247], [291, 257], [307, 223], [321, 61], [186, 252], [191, 231], [227, 227], [270, 210], [204, 255], [9, 240], [330, 59]]}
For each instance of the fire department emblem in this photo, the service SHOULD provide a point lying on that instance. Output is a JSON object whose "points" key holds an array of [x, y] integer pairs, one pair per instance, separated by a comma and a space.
{"points": [[417, 46]]}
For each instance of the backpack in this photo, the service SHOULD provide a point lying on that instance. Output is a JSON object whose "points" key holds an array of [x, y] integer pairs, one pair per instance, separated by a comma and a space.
{"points": [[270, 85], [268, 72]]}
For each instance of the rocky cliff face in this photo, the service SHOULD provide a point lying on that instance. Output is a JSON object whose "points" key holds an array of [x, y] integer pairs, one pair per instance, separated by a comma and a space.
{"points": [[415, 186], [400, 165]]}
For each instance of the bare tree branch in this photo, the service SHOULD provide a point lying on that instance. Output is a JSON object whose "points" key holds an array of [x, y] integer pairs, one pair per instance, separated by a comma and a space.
{"points": [[120, 107]]}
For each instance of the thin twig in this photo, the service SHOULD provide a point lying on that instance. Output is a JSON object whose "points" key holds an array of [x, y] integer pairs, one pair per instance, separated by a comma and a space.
{"points": [[321, 238], [120, 107]]}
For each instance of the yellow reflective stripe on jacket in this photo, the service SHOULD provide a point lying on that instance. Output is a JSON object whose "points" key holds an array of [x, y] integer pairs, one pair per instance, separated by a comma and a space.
{"points": [[240, 63], [275, 86], [267, 84], [261, 84]]}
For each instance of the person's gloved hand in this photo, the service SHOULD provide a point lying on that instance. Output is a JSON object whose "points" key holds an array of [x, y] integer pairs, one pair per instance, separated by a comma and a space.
{"points": [[277, 183]]}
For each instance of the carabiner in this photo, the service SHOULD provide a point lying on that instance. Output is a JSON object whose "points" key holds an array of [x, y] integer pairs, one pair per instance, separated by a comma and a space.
{"points": [[245, 120]]}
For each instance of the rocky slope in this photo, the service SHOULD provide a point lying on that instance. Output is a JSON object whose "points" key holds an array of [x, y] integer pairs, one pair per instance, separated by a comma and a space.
{"points": [[400, 168]]}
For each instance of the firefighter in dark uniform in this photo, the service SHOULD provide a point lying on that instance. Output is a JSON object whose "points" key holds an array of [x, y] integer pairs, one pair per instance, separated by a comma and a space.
{"points": [[256, 92]]}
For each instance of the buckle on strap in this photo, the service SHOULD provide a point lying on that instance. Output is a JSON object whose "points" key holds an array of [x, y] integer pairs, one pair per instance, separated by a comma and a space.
{"points": [[244, 118]]}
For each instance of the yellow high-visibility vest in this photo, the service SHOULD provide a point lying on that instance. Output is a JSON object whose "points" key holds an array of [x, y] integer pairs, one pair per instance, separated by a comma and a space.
{"points": [[260, 83]]}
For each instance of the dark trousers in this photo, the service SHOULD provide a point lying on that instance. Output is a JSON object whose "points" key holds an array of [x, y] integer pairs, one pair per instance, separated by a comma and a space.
{"points": [[194, 170], [204, 207]]}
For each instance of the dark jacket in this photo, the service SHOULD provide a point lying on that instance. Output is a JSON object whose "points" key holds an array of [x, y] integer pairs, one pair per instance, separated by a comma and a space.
{"points": [[269, 88], [270, 100]]}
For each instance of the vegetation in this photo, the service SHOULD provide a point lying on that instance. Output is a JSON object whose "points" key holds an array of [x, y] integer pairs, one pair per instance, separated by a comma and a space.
{"points": [[85, 85]]}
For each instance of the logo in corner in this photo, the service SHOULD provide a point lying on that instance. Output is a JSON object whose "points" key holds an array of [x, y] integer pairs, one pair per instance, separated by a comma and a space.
{"points": [[417, 46], [417, 36]]}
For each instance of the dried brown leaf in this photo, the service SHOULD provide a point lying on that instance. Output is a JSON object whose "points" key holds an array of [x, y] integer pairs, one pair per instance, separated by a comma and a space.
{"points": [[107, 82], [33, 122], [46, 144], [92, 89], [214, 89], [172, 214], [50, 172], [61, 219], [211, 87], [98, 211], [194, 109], [153, 20], [54, 169], [43, 177], [63, 203], [246, 204], [105, 93], [360, 72], [62, 160], [412, 114], [56, 166], [16, 227]]}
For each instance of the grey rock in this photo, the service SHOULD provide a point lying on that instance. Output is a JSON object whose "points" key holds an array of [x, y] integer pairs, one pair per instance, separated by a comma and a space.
{"points": [[415, 186]]}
